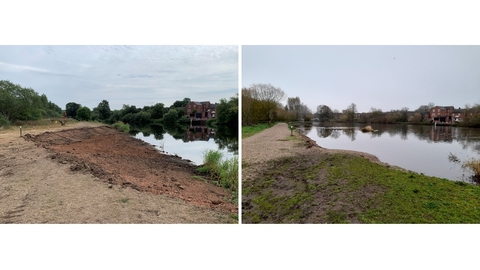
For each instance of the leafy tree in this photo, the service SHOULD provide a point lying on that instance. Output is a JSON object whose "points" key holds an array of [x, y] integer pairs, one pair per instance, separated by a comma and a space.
{"points": [[19, 103], [227, 113], [84, 114], [115, 116], [71, 109], [130, 109], [180, 104], [180, 112], [104, 110], [157, 111], [171, 116], [141, 119], [4, 121]]}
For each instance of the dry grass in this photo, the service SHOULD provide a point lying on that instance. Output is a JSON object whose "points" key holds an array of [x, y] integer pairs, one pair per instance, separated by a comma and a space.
{"points": [[367, 129], [473, 165]]}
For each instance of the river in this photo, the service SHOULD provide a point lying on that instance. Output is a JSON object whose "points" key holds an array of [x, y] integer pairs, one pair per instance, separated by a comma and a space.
{"points": [[188, 142], [423, 149]]}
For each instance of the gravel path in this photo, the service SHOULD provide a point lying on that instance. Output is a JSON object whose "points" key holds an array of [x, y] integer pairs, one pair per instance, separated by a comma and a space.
{"points": [[276, 142], [272, 143]]}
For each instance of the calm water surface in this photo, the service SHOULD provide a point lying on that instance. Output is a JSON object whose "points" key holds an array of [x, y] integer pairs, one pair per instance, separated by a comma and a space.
{"points": [[422, 149], [191, 143]]}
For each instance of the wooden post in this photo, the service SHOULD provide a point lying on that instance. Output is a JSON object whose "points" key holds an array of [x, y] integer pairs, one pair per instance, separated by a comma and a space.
{"points": [[20, 131]]}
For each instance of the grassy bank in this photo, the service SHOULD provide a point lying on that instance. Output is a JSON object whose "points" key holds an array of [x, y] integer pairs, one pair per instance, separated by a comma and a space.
{"points": [[223, 172], [339, 188], [248, 131], [121, 126]]}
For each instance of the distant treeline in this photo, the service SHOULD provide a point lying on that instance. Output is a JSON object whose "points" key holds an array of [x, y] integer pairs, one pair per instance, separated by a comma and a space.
{"points": [[21, 103], [261, 103], [130, 114], [226, 111]]}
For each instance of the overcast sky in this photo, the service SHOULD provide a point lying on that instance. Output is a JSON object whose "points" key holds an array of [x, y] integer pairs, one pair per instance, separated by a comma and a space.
{"points": [[133, 75], [385, 77]]}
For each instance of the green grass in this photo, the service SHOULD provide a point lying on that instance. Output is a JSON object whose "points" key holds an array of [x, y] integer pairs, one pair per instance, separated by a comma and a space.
{"points": [[248, 131], [345, 189], [223, 172], [121, 126]]}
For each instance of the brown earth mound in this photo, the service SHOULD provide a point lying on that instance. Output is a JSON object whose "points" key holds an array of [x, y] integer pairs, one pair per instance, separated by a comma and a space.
{"points": [[120, 159]]}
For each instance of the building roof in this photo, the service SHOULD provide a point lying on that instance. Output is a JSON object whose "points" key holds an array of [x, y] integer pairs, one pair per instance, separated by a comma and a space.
{"points": [[443, 107], [201, 102]]}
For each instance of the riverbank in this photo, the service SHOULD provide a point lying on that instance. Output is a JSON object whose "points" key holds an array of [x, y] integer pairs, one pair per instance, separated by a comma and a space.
{"points": [[90, 173], [287, 179]]}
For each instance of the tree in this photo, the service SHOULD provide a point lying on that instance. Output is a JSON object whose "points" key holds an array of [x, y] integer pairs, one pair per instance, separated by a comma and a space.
{"points": [[248, 104], [305, 113], [376, 115], [403, 117], [180, 104], [171, 116], [269, 97], [180, 112], [424, 110], [227, 113], [157, 111], [84, 114], [104, 110], [324, 113], [71, 109], [294, 105], [351, 112], [19, 103]]}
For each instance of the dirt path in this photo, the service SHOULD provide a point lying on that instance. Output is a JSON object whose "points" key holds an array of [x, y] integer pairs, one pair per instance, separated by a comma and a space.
{"points": [[80, 174], [276, 142]]}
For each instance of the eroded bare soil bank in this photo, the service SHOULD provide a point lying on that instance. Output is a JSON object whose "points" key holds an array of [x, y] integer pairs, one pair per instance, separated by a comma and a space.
{"points": [[100, 175]]}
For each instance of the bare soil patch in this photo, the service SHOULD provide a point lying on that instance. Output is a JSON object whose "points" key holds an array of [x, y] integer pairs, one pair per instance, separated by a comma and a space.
{"points": [[100, 175]]}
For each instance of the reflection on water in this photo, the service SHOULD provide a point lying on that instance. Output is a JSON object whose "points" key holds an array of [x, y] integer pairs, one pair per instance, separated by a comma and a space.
{"points": [[188, 142], [424, 149]]}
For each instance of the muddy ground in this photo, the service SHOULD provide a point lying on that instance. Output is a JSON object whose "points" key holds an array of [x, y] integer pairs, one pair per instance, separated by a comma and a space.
{"points": [[85, 174]]}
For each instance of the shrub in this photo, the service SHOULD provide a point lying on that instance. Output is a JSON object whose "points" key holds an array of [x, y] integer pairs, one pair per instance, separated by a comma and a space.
{"points": [[224, 172], [367, 129], [84, 114], [474, 166], [121, 126]]}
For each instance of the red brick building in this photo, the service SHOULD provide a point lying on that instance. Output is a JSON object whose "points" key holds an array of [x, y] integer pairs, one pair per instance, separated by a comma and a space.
{"points": [[446, 114], [202, 110]]}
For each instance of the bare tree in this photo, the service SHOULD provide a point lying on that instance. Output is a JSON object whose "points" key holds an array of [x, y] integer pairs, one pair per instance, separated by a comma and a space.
{"points": [[351, 112], [293, 105]]}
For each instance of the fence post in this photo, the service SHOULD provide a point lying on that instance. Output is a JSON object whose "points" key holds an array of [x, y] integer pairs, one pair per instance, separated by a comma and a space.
{"points": [[20, 131]]}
